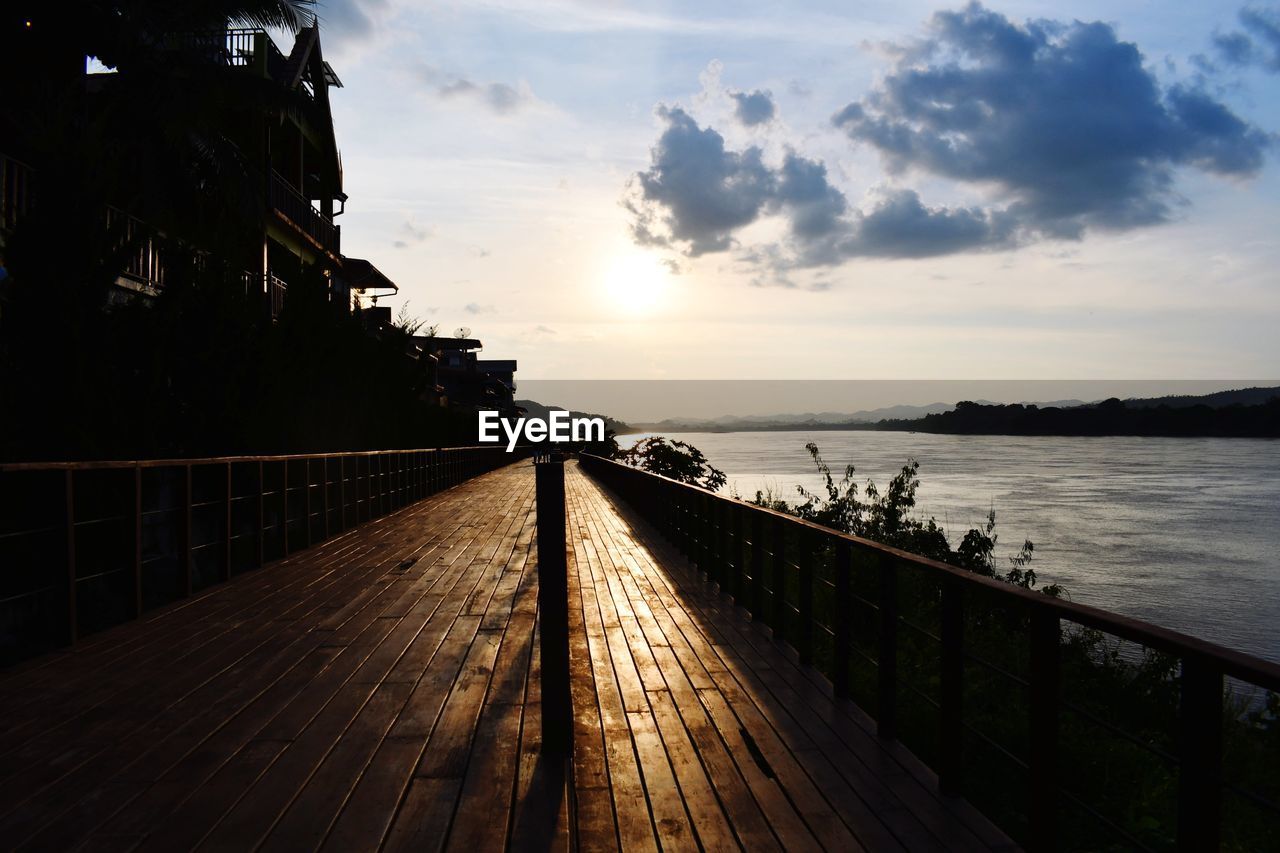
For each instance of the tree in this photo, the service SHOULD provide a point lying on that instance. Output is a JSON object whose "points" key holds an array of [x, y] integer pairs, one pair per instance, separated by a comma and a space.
{"points": [[888, 518], [675, 459]]}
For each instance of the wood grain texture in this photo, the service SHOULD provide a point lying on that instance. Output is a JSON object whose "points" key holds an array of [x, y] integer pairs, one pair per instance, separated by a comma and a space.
{"points": [[381, 691]]}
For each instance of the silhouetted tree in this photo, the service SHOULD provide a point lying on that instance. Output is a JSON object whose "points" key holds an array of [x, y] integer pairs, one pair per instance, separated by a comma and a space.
{"points": [[675, 459]]}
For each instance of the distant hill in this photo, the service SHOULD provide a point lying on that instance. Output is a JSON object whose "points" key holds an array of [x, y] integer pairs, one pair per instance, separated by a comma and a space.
{"points": [[538, 410], [806, 420], [1238, 397], [1017, 418], [1188, 418]]}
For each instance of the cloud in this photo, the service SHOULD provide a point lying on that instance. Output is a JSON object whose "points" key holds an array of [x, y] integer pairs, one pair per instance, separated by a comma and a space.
{"points": [[345, 21], [754, 108], [499, 98], [696, 194], [1060, 125], [1061, 120], [1257, 44], [901, 226], [412, 234], [475, 308]]}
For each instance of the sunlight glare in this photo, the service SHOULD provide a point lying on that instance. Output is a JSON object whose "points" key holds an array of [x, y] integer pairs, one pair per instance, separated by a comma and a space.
{"points": [[636, 283]]}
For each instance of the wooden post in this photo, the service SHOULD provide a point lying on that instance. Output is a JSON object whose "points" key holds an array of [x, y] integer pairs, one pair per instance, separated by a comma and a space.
{"points": [[284, 506], [757, 565], [887, 706], [705, 539], [306, 499], [779, 579], [137, 541], [342, 493], [1045, 683], [843, 639], [324, 493], [72, 627], [951, 711], [553, 608], [736, 549], [1200, 756], [226, 533], [807, 555], [186, 531], [261, 488]]}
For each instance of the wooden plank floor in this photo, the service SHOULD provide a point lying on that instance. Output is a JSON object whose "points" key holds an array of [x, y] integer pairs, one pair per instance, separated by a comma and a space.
{"points": [[381, 691]]}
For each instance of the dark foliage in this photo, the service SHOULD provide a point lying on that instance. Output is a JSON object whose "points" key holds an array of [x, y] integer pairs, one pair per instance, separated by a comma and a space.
{"points": [[1110, 417], [889, 518], [675, 459]]}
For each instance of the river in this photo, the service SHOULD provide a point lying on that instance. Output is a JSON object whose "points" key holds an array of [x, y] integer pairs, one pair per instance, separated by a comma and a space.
{"points": [[1182, 532]]}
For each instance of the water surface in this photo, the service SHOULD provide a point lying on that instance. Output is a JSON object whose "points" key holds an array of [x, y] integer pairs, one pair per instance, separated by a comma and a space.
{"points": [[1182, 532]]}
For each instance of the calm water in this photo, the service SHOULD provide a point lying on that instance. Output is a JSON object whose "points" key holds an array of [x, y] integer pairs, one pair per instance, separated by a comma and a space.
{"points": [[1184, 533]]}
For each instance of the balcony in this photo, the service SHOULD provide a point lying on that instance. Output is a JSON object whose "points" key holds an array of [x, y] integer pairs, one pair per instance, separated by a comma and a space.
{"points": [[297, 211], [144, 262], [251, 49], [272, 287]]}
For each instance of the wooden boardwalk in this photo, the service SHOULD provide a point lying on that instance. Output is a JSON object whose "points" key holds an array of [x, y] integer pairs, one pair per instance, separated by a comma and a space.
{"points": [[381, 690]]}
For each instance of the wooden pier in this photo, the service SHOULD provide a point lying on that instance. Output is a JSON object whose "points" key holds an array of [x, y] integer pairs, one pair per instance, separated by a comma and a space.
{"points": [[381, 691]]}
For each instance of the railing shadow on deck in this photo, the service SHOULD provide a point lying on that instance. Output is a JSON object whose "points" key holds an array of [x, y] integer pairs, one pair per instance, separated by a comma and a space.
{"points": [[87, 545], [995, 687]]}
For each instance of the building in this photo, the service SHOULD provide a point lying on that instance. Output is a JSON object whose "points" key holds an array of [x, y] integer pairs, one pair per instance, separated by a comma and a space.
{"points": [[204, 141], [468, 381], [271, 115]]}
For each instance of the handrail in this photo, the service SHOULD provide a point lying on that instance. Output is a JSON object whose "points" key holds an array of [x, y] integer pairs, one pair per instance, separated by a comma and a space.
{"points": [[86, 545], [1238, 664], [203, 460], [293, 206], [773, 564]]}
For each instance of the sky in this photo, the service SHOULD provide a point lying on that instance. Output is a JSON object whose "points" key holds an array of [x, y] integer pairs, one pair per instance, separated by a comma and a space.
{"points": [[881, 190]]}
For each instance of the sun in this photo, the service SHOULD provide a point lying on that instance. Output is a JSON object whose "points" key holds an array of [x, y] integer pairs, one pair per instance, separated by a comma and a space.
{"points": [[636, 283]]}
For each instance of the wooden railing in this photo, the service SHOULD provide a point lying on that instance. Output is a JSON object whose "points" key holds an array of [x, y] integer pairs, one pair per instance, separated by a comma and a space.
{"points": [[985, 680], [144, 262], [85, 545], [248, 47], [303, 215]]}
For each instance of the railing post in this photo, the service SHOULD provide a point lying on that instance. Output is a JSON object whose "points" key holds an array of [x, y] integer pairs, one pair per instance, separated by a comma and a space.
{"points": [[284, 506], [736, 550], [306, 499], [951, 711], [1200, 756], [261, 521], [226, 533], [186, 530], [137, 541], [843, 607], [707, 537], [1045, 687], [715, 571], [887, 705], [779, 579], [72, 627], [553, 606], [342, 493], [806, 556], [757, 565]]}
